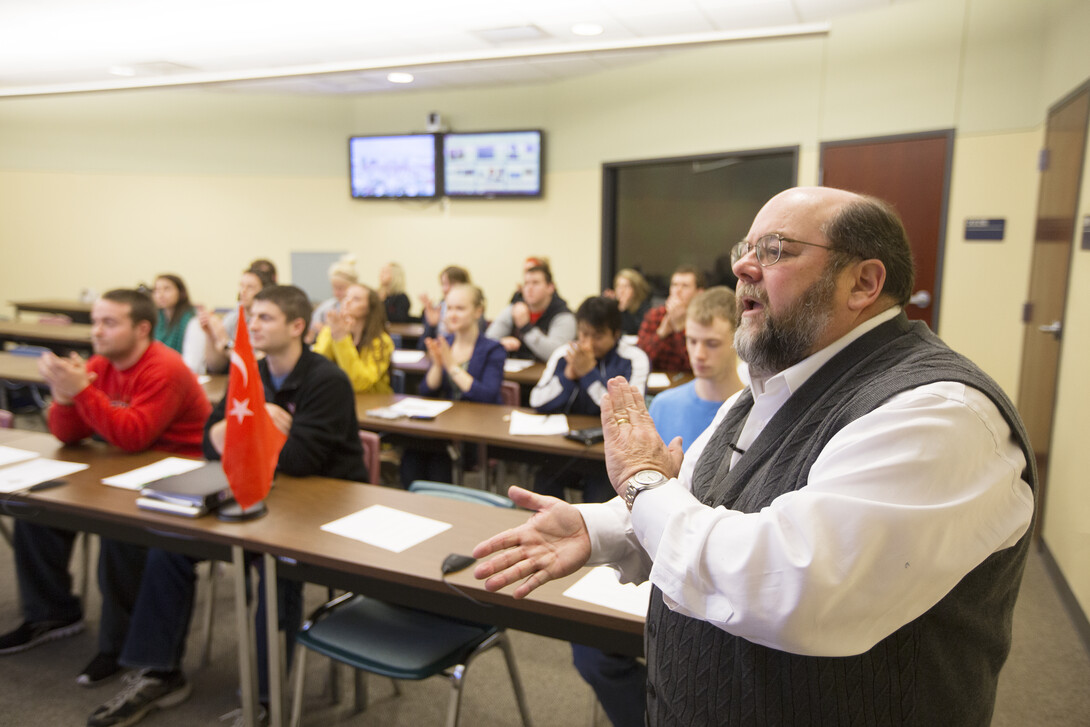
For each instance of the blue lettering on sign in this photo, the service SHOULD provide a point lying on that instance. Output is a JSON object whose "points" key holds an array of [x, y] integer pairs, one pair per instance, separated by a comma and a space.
{"points": [[980, 228]]}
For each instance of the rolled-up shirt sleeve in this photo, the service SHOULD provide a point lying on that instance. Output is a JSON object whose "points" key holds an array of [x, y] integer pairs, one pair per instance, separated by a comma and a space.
{"points": [[899, 506]]}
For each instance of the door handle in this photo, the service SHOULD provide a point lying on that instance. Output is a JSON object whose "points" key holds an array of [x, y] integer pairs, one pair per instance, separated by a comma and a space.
{"points": [[1055, 328]]}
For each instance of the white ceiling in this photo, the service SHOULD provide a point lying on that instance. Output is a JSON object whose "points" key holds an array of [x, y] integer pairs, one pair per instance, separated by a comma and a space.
{"points": [[348, 46]]}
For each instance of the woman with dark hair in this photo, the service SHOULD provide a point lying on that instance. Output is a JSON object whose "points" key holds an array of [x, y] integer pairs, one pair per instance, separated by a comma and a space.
{"points": [[354, 337], [177, 325]]}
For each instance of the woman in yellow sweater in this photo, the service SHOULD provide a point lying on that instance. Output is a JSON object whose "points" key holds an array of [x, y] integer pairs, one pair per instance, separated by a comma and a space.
{"points": [[355, 338]]}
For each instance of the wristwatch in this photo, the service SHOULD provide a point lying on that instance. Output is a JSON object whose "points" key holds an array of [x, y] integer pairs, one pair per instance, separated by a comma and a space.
{"points": [[642, 480]]}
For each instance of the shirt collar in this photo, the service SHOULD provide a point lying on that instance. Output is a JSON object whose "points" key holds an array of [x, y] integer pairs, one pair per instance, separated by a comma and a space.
{"points": [[796, 376]]}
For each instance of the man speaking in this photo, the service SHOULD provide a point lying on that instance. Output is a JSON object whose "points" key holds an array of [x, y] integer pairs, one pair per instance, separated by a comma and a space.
{"points": [[845, 542]]}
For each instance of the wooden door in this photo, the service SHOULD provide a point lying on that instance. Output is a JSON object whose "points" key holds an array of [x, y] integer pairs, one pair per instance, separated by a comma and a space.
{"points": [[1057, 207], [912, 173]]}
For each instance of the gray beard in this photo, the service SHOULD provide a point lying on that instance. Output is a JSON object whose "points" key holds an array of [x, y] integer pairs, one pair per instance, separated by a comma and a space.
{"points": [[785, 339]]}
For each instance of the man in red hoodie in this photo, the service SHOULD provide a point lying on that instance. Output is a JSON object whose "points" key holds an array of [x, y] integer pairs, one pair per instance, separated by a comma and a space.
{"points": [[136, 394]]}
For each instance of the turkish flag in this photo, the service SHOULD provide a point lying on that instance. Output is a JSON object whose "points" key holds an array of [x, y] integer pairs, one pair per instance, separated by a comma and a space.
{"points": [[252, 442]]}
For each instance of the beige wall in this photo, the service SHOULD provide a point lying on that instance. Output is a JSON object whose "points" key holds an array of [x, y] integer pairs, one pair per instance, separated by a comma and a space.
{"points": [[107, 189]]}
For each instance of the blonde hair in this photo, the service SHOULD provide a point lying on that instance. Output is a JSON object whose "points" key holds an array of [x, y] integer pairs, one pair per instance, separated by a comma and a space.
{"points": [[640, 288], [397, 278], [345, 268], [717, 302], [476, 295]]}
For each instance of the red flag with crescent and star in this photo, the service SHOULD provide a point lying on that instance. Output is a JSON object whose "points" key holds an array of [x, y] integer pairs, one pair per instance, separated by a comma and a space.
{"points": [[252, 442]]}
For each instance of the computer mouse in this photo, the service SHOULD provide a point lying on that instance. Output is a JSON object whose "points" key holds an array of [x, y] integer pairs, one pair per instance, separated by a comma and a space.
{"points": [[455, 562]]}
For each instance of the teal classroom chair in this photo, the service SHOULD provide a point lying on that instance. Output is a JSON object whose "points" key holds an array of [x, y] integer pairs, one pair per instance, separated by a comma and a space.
{"points": [[400, 642]]}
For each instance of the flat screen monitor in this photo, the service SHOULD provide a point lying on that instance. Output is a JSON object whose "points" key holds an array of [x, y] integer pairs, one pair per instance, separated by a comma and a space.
{"points": [[393, 167], [493, 164]]}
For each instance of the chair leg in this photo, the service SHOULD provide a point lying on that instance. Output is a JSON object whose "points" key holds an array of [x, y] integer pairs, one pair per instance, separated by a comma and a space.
{"points": [[516, 680], [457, 680], [6, 533], [300, 672], [206, 614], [84, 567]]}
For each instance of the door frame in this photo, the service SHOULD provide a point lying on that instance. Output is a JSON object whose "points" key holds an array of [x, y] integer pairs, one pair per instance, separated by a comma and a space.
{"points": [[948, 165]]}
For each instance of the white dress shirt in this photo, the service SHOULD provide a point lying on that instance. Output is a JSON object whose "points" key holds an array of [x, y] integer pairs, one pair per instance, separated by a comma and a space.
{"points": [[899, 506]]}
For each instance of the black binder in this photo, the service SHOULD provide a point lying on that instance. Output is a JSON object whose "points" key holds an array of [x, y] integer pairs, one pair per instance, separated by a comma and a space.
{"points": [[191, 493]]}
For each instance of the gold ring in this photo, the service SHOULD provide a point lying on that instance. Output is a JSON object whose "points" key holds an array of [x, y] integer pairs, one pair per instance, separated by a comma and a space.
{"points": [[621, 420]]}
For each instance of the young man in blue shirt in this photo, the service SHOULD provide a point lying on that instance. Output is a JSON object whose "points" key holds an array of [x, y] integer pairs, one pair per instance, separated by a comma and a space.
{"points": [[684, 411]]}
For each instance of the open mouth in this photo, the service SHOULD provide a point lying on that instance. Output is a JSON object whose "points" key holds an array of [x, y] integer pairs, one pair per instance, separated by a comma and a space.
{"points": [[750, 305]]}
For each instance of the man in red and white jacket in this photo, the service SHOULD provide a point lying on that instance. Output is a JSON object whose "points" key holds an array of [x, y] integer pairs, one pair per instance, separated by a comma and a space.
{"points": [[136, 394]]}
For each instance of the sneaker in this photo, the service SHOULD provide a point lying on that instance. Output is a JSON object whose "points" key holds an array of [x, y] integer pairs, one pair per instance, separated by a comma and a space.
{"points": [[142, 694], [237, 718], [101, 669], [30, 634]]}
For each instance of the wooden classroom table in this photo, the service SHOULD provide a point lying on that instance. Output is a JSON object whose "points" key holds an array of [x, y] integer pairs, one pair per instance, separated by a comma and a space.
{"points": [[410, 333], [294, 545], [57, 336], [486, 424], [78, 311], [84, 503]]}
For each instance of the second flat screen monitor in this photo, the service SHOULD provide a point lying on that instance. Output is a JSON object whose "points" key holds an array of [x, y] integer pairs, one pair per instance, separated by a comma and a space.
{"points": [[493, 164]]}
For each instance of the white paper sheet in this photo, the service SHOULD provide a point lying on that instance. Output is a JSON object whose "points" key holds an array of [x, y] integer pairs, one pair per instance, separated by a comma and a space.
{"points": [[513, 365], [407, 356], [425, 408], [11, 455], [21, 476], [658, 380], [540, 424], [385, 527], [137, 478], [602, 587]]}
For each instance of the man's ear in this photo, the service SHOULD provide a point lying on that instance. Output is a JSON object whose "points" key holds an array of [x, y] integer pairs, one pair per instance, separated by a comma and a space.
{"points": [[144, 329], [298, 326], [868, 279]]}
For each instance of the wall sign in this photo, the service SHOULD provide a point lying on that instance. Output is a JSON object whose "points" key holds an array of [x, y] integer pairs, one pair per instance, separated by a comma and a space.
{"points": [[981, 228]]}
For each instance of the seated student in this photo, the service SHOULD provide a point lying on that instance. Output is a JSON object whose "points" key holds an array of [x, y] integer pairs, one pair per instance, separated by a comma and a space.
{"points": [[311, 401], [684, 411], [136, 394], [537, 325], [266, 268], [464, 365], [574, 382], [355, 338], [662, 333], [177, 325], [633, 296], [435, 313], [220, 334], [391, 291], [341, 274]]}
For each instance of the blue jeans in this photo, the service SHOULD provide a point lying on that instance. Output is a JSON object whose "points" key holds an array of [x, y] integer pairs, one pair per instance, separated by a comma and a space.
{"points": [[619, 682], [164, 608], [45, 586]]}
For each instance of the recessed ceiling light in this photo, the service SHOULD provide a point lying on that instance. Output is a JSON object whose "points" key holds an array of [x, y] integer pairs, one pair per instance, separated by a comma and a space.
{"points": [[127, 71], [399, 77], [587, 29]]}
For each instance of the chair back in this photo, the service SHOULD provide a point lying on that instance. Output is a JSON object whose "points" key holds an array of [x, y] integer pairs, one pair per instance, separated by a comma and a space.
{"points": [[397, 380], [456, 492], [510, 393], [372, 451], [7, 419]]}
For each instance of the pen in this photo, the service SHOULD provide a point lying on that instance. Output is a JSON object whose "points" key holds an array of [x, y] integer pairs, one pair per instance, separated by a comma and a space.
{"points": [[46, 485]]}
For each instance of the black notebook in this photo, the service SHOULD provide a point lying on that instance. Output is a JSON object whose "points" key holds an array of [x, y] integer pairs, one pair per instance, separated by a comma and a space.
{"points": [[191, 493]]}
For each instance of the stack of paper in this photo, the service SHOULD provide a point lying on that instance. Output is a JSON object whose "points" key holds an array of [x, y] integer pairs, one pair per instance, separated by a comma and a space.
{"points": [[539, 424], [22, 469], [602, 587], [386, 527], [137, 478]]}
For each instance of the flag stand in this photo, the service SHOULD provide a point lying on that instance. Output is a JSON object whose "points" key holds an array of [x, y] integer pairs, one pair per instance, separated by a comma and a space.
{"points": [[232, 513]]}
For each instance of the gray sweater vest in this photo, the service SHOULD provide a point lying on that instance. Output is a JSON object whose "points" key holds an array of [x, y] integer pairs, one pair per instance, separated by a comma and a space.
{"points": [[940, 669]]}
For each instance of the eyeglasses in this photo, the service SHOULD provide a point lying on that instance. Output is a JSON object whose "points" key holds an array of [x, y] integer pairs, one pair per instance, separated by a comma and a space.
{"points": [[768, 248]]}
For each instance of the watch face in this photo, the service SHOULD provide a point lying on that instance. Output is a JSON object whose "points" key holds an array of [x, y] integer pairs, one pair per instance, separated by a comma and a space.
{"points": [[647, 477]]}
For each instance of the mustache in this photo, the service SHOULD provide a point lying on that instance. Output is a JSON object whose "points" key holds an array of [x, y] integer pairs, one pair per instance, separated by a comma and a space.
{"points": [[747, 290]]}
